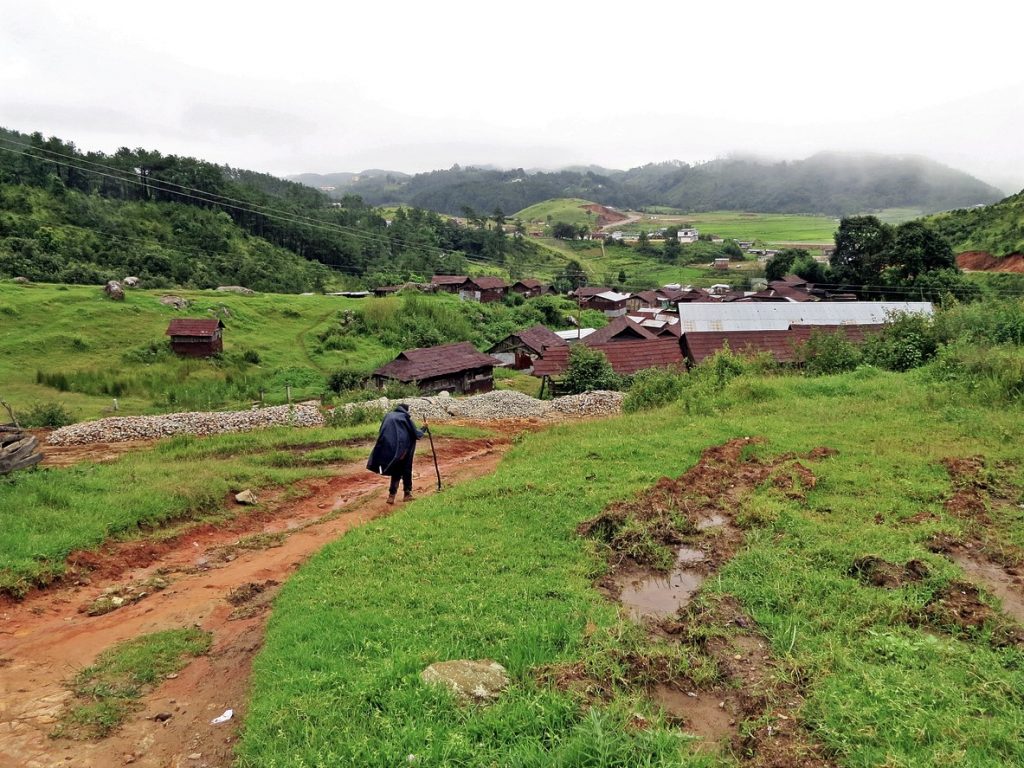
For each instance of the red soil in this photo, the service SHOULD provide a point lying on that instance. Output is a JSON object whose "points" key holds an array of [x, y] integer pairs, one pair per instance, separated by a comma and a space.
{"points": [[982, 261]]}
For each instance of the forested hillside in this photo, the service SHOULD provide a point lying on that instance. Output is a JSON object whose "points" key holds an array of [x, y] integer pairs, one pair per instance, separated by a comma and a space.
{"points": [[997, 229], [85, 217], [827, 183]]}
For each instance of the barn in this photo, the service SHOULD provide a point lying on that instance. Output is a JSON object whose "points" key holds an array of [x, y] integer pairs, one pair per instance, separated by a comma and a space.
{"points": [[196, 337], [452, 367]]}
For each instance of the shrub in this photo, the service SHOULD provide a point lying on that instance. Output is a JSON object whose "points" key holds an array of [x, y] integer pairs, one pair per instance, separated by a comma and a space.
{"points": [[825, 353], [152, 352], [588, 370], [905, 342], [653, 388], [251, 356], [992, 374], [49, 414], [346, 378]]}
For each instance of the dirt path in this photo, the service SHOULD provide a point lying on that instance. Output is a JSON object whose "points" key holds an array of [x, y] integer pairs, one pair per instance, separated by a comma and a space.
{"points": [[46, 638]]}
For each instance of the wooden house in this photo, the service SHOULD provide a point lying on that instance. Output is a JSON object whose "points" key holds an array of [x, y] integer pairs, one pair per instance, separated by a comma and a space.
{"points": [[483, 289], [448, 283], [519, 350], [530, 287], [456, 368], [196, 337]]}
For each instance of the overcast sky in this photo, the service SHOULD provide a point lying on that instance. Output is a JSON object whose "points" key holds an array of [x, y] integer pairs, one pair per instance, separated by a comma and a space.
{"points": [[302, 86]]}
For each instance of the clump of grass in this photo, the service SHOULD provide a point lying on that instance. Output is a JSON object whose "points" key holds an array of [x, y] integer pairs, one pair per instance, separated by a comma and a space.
{"points": [[108, 691], [50, 414]]}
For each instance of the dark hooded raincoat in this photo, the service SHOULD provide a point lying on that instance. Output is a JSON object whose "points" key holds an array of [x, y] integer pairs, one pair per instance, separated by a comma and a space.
{"points": [[396, 443]]}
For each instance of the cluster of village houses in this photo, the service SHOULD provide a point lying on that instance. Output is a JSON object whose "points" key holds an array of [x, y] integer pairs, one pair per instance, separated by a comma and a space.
{"points": [[672, 326]]}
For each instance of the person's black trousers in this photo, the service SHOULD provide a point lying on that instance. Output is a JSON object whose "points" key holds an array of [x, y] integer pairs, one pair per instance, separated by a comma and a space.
{"points": [[401, 471]]}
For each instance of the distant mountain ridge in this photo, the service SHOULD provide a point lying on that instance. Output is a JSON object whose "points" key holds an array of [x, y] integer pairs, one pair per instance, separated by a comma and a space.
{"points": [[830, 183]]}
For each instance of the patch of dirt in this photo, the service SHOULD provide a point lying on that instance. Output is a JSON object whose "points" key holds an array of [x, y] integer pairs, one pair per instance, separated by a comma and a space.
{"points": [[68, 455], [983, 261], [695, 516], [959, 606], [46, 639], [605, 215], [877, 572]]}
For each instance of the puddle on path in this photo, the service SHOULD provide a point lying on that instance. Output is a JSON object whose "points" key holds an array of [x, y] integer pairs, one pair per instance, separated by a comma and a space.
{"points": [[659, 595], [997, 581], [711, 521], [700, 713]]}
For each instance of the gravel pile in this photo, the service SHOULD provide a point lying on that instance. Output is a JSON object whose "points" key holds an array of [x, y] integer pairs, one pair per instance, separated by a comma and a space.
{"points": [[119, 428], [500, 404], [599, 403]]}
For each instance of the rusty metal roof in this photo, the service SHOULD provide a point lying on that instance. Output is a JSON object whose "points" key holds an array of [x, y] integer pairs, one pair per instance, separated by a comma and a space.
{"points": [[488, 283], [430, 362], [529, 282], [448, 279], [626, 357], [537, 338], [587, 291], [622, 328], [782, 345], [194, 326]]}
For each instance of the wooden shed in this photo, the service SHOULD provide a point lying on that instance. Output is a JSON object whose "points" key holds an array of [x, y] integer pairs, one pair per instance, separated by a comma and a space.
{"points": [[196, 337], [519, 350], [453, 367]]}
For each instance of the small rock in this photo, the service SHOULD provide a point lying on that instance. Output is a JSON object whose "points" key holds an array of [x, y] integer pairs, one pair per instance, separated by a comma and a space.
{"points": [[246, 497], [130, 281], [196, 756], [172, 676], [114, 290], [162, 717], [129, 758], [473, 681], [117, 602], [174, 301]]}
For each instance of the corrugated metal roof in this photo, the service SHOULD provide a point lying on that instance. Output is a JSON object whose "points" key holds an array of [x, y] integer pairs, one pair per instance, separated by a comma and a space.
{"points": [[612, 296], [538, 338], [194, 326], [778, 316], [782, 345], [622, 328], [488, 283], [626, 357], [574, 333], [448, 279], [430, 362]]}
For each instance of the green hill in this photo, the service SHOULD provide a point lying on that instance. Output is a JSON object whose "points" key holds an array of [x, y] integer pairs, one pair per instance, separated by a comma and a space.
{"points": [[834, 184], [570, 210], [997, 229]]}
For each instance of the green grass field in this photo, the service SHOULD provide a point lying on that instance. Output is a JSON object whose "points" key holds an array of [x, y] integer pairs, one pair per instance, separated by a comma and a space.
{"points": [[120, 347], [767, 228], [567, 209], [494, 569]]}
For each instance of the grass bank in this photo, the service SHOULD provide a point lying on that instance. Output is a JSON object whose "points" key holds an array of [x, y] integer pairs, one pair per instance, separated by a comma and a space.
{"points": [[494, 569]]}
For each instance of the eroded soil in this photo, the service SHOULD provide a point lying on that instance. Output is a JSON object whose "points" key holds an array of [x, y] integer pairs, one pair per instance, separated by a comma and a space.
{"points": [[221, 578], [748, 708]]}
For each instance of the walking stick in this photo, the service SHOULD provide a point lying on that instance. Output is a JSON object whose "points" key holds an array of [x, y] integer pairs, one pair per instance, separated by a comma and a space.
{"points": [[432, 451]]}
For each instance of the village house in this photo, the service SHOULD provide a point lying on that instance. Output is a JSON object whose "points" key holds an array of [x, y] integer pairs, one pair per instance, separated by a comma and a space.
{"points": [[642, 299], [196, 337], [611, 303], [687, 235], [458, 368], [448, 283], [585, 293], [784, 346], [483, 289], [625, 357], [519, 350], [530, 287]]}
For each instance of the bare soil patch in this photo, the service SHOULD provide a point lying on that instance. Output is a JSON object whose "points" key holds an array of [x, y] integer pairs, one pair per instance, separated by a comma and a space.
{"points": [[983, 261], [47, 637]]}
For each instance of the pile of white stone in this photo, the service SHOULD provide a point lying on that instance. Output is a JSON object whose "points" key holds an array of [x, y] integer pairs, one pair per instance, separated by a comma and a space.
{"points": [[121, 428], [499, 404]]}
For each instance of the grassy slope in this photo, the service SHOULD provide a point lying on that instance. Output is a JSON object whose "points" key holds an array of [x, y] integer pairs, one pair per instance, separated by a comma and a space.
{"points": [[493, 569], [603, 266], [567, 209], [71, 328], [998, 228]]}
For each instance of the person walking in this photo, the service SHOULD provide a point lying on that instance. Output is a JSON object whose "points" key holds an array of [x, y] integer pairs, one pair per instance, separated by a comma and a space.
{"points": [[393, 453]]}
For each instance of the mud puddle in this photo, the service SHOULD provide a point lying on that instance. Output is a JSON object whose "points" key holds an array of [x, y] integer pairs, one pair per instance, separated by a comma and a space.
{"points": [[45, 639], [706, 715], [655, 595], [1008, 588]]}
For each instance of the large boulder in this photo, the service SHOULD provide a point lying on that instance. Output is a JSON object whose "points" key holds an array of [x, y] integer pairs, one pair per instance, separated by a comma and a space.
{"points": [[131, 281], [114, 290], [473, 682], [21, 280], [173, 301], [236, 289]]}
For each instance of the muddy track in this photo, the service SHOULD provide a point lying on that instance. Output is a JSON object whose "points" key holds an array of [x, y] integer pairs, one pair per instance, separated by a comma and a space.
{"points": [[220, 578], [696, 516]]}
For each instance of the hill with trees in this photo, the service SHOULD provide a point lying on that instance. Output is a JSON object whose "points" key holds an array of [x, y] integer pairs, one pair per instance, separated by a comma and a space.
{"points": [[835, 184], [996, 229], [86, 217]]}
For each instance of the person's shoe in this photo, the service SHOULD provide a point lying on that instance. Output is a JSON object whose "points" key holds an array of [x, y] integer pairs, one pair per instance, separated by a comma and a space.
{"points": [[391, 498], [408, 497]]}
